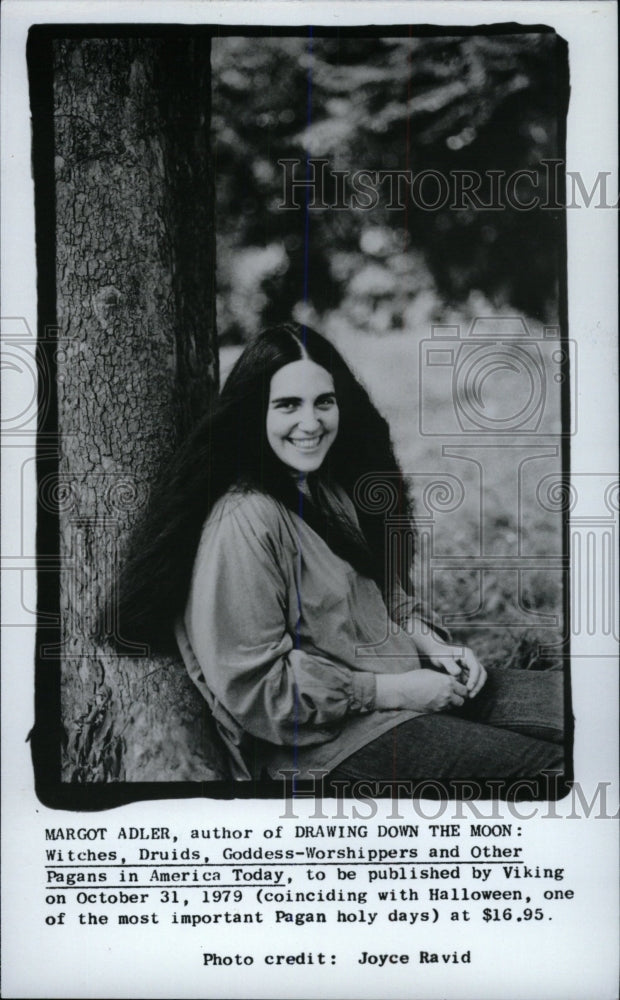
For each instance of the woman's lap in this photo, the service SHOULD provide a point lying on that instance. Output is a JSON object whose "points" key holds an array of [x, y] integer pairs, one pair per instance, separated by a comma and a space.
{"points": [[512, 729], [524, 701]]}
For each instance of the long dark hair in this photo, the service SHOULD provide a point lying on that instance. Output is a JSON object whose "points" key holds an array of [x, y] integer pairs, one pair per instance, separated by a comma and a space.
{"points": [[228, 448]]}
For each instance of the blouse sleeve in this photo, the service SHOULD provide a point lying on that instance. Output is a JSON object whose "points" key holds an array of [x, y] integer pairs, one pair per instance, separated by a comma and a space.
{"points": [[238, 627], [403, 607]]}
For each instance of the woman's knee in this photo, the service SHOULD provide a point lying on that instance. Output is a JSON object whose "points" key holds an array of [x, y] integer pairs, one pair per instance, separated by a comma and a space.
{"points": [[525, 701]]}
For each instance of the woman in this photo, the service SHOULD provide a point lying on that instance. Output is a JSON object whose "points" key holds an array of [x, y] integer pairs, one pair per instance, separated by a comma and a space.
{"points": [[275, 579]]}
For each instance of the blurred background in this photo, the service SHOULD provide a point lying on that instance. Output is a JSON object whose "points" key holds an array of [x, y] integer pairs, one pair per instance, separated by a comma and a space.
{"points": [[390, 285]]}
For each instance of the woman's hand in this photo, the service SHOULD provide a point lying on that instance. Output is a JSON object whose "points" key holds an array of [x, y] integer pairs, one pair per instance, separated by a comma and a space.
{"points": [[421, 690], [459, 661]]}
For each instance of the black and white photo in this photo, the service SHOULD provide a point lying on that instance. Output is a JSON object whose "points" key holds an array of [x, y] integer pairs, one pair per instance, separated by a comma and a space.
{"points": [[310, 499]]}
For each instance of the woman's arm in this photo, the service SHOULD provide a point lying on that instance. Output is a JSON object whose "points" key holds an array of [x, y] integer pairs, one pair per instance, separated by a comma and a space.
{"points": [[459, 661], [252, 664], [421, 690], [443, 655], [249, 655]]}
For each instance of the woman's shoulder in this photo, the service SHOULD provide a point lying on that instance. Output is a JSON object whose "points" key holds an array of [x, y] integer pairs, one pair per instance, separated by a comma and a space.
{"points": [[246, 511], [243, 527]]}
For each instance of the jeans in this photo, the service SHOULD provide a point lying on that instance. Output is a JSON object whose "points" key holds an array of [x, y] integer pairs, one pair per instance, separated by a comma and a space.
{"points": [[514, 728]]}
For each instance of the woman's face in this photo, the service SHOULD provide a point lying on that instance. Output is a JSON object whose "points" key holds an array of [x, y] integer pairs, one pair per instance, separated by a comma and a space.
{"points": [[302, 415]]}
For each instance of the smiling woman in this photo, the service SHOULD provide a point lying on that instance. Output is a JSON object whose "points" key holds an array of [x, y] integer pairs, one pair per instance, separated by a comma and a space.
{"points": [[302, 416], [293, 619]]}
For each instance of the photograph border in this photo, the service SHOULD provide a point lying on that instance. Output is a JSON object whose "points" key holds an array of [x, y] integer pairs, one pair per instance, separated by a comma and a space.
{"points": [[46, 735]]}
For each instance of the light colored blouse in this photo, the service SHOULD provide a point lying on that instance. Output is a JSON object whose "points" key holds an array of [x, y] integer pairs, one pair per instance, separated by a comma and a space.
{"points": [[284, 639]]}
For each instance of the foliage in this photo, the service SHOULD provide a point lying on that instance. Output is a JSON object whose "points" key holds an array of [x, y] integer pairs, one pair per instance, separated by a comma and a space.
{"points": [[479, 103]]}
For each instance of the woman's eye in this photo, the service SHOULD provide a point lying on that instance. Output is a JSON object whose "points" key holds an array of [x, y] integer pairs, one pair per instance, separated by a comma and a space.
{"points": [[326, 404]]}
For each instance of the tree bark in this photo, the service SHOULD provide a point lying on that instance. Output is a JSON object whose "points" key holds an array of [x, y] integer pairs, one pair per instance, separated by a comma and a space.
{"points": [[137, 363]]}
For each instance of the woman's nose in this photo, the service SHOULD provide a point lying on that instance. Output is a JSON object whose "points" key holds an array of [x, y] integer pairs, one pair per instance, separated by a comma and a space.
{"points": [[308, 419]]}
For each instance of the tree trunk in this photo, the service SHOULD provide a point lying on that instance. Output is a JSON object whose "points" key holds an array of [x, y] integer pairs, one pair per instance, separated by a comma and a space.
{"points": [[137, 363]]}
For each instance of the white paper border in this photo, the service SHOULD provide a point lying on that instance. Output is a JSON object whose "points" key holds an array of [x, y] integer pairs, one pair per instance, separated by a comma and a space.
{"points": [[37, 963]]}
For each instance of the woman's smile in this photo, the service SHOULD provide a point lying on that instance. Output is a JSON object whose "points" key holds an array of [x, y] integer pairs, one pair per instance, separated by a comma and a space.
{"points": [[306, 444], [302, 416]]}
